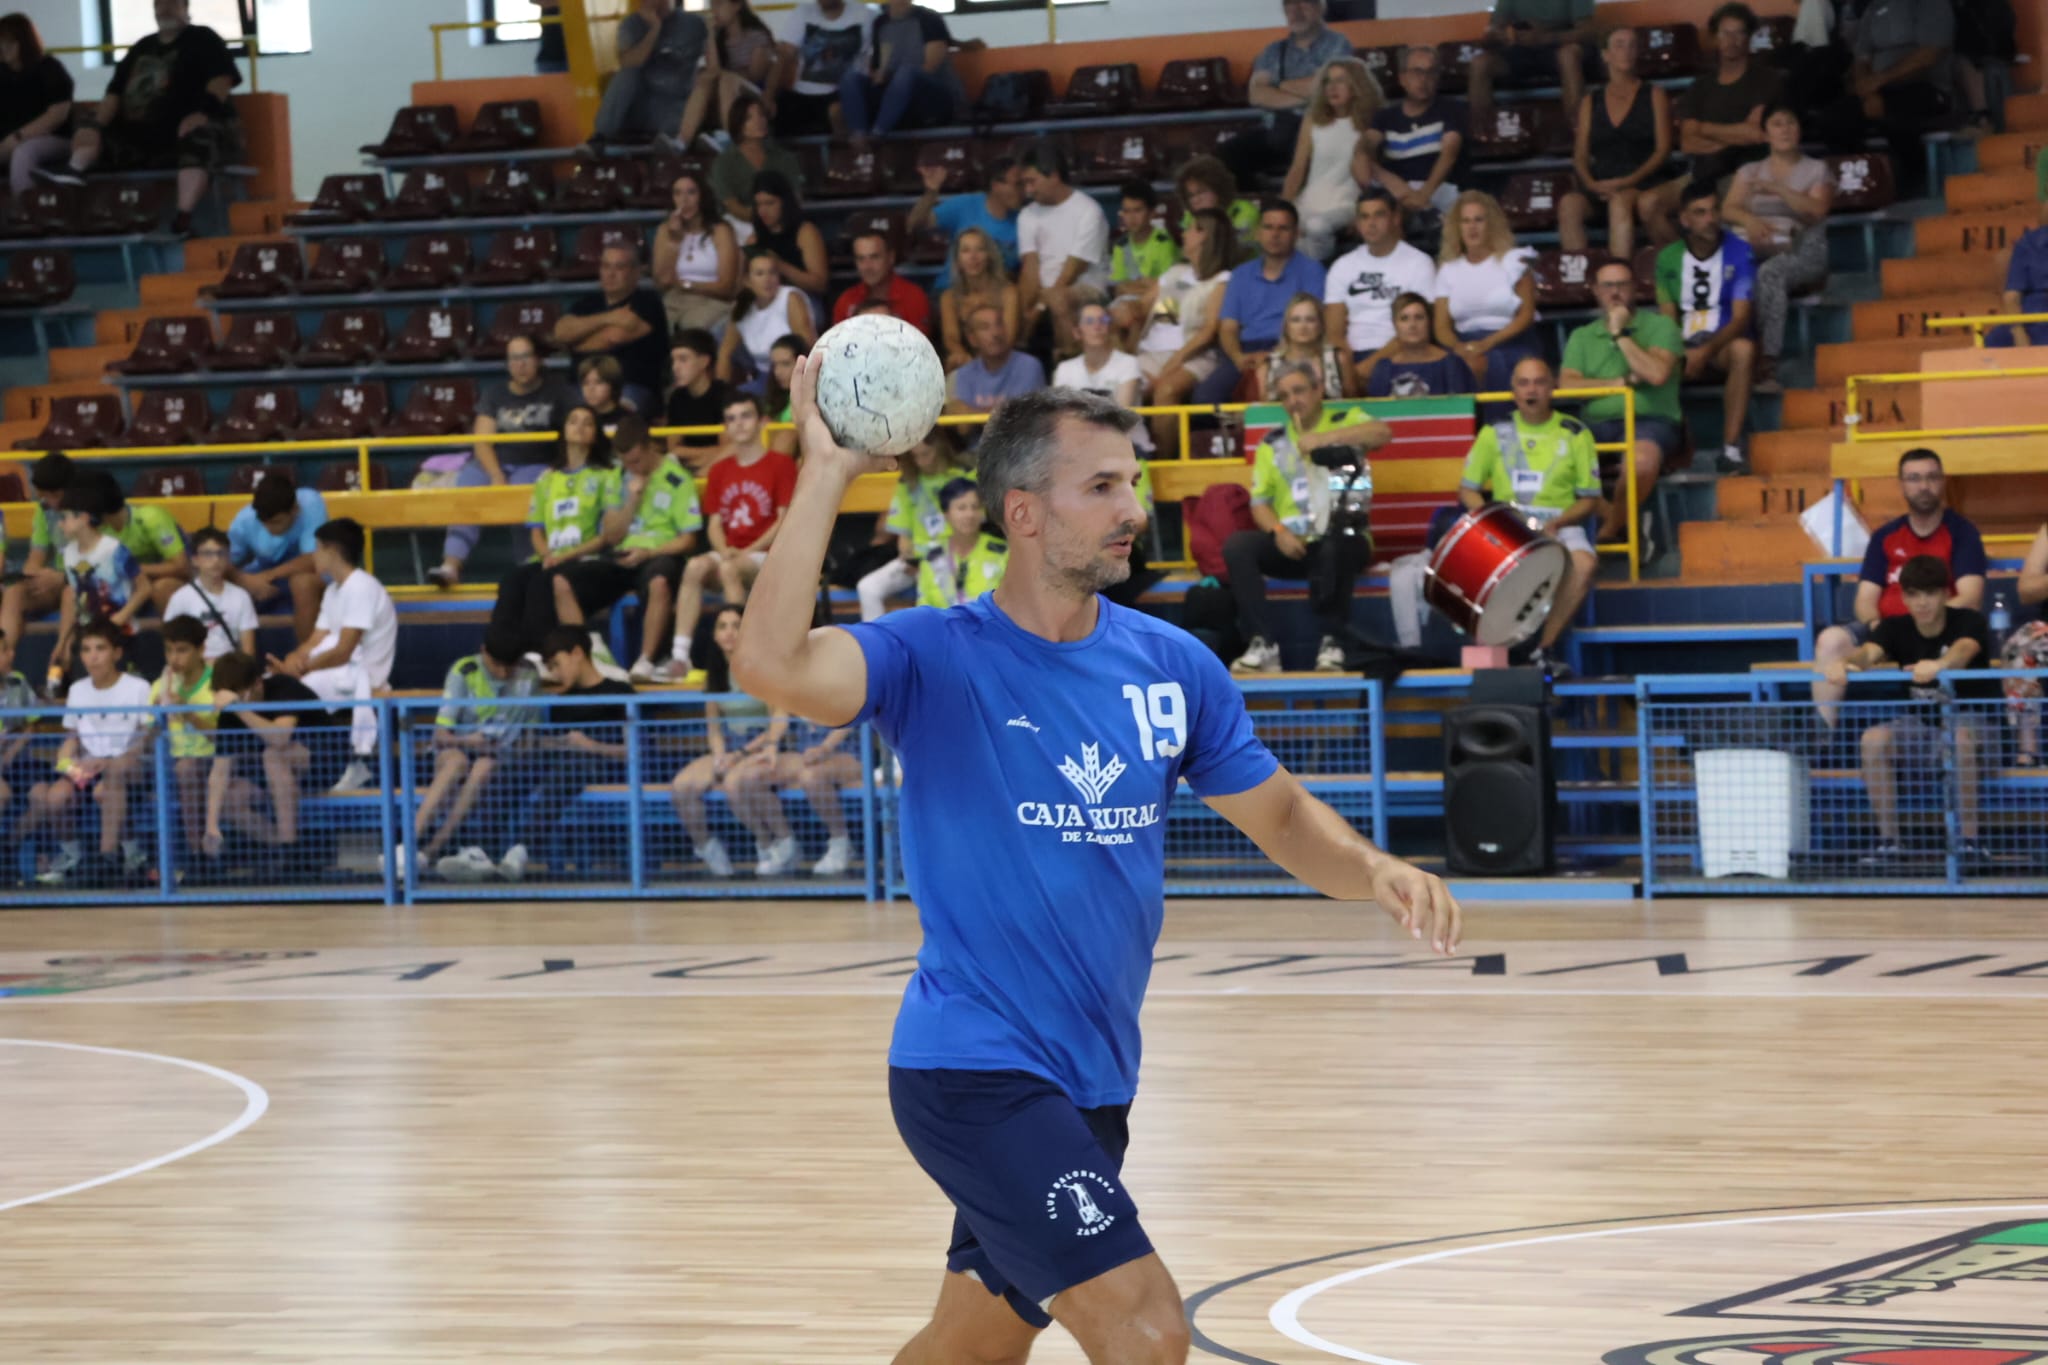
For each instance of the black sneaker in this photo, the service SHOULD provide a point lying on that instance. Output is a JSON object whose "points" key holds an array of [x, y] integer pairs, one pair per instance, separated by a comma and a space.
{"points": [[1736, 464], [181, 226]]}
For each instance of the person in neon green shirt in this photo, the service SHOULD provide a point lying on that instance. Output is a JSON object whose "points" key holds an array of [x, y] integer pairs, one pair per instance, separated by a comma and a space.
{"points": [[564, 520], [41, 586], [1542, 461], [1291, 504], [1137, 259], [969, 561], [152, 536], [916, 521], [188, 681]]}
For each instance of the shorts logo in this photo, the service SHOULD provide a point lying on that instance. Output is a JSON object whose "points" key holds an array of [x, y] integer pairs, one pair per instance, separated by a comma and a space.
{"points": [[1071, 1194]]}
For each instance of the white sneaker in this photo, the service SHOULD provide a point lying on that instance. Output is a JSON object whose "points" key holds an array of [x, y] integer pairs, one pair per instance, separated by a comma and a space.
{"points": [[604, 661], [512, 867], [470, 865], [777, 859], [838, 859], [354, 778], [1258, 657], [1329, 656], [69, 856], [642, 671], [133, 855], [675, 670], [713, 855], [399, 854]]}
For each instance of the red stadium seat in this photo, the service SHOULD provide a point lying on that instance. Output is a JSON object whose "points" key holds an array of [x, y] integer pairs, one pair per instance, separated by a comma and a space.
{"points": [[13, 484], [961, 158], [531, 318], [261, 270], [79, 422], [1099, 92], [435, 333], [502, 126], [125, 207], [852, 173], [1667, 50], [343, 199], [521, 256], [242, 480], [418, 130], [38, 277], [428, 192], [1564, 279], [48, 211], [346, 476], [346, 337], [265, 412], [1454, 59], [1192, 83], [1863, 182], [888, 222], [1530, 199], [1013, 97], [345, 265], [513, 189], [169, 481], [432, 260], [170, 417], [258, 341], [436, 407], [659, 175], [169, 346], [590, 247], [1509, 136], [601, 185], [1108, 155], [357, 408], [1385, 65]]}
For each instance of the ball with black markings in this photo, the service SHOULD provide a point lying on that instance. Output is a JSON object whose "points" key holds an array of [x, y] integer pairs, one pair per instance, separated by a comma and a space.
{"points": [[880, 384]]}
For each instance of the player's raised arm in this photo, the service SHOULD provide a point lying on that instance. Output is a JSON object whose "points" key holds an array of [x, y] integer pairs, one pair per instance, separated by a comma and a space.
{"points": [[819, 674]]}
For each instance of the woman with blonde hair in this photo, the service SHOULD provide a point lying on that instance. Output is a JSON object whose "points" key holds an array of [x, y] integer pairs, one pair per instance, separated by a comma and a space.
{"points": [[1485, 292], [1178, 349], [1304, 340], [979, 277], [1321, 181]]}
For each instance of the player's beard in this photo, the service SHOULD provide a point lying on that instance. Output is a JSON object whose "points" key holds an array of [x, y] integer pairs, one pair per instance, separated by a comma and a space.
{"points": [[1087, 571]]}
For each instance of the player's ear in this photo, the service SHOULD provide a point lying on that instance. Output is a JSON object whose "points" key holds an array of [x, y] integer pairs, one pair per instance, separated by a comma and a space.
{"points": [[1020, 514]]}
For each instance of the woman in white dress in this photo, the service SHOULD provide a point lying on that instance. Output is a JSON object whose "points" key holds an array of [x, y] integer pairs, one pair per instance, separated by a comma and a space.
{"points": [[1178, 349], [1320, 182]]}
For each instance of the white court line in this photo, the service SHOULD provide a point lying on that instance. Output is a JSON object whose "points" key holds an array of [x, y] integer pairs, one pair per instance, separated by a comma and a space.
{"points": [[1286, 1314], [255, 1098]]}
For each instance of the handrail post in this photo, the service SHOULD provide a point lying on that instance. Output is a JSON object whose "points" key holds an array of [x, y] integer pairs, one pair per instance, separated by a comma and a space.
{"points": [[439, 72], [1628, 460]]}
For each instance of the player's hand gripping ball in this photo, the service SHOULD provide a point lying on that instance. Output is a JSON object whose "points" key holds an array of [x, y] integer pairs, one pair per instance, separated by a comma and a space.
{"points": [[880, 384]]}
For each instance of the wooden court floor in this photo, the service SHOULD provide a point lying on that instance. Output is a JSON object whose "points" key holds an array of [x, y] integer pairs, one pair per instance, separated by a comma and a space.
{"points": [[1723, 1133]]}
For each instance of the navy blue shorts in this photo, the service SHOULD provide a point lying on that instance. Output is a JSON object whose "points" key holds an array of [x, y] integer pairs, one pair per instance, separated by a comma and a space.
{"points": [[1036, 1182]]}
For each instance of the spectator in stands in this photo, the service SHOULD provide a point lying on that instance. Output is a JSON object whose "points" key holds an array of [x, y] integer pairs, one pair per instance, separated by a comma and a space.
{"points": [[18, 768], [745, 496], [1705, 282], [564, 517], [698, 399], [1321, 181], [782, 358], [969, 560], [2026, 289], [187, 681], [909, 81], [998, 371], [41, 583], [1417, 143], [992, 211], [624, 319], [1179, 350], [979, 280], [751, 151], [551, 58], [1641, 349], [1063, 238], [35, 102], [1533, 42], [1304, 341], [1255, 303], [659, 48], [303, 747], [477, 736], [1411, 365], [916, 519], [1142, 252], [1929, 638], [597, 386], [1206, 183], [105, 754], [1622, 152], [1103, 369], [1779, 205], [1359, 293], [697, 257], [1485, 293], [579, 746], [740, 61], [2026, 647], [1291, 507], [526, 400], [355, 644], [822, 41], [102, 581], [874, 261], [271, 543], [166, 107], [1284, 78], [767, 309], [744, 738], [1548, 472], [651, 531], [152, 535], [1986, 46], [781, 229], [1928, 528], [1721, 117], [222, 606], [1901, 84]]}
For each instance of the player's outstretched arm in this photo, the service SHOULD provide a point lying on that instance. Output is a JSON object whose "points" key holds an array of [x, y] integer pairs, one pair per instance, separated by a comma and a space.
{"points": [[1313, 842], [820, 674]]}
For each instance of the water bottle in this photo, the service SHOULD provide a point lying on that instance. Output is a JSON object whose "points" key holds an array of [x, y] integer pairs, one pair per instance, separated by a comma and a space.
{"points": [[2001, 623]]}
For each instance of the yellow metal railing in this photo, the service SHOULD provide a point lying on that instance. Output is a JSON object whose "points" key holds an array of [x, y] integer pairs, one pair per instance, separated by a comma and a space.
{"points": [[1852, 417], [249, 43], [1981, 323]]}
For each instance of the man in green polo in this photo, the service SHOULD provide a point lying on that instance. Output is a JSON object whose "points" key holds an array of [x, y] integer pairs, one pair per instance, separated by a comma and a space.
{"points": [[1642, 349], [1541, 461]]}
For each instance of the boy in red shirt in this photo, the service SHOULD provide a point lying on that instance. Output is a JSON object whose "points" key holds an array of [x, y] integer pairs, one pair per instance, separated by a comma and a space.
{"points": [[745, 495]]}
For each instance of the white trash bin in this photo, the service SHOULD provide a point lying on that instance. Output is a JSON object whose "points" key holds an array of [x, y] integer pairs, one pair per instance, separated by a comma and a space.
{"points": [[1753, 811]]}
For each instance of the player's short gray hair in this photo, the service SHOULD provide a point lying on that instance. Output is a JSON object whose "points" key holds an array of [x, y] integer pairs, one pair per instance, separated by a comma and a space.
{"points": [[1021, 439]]}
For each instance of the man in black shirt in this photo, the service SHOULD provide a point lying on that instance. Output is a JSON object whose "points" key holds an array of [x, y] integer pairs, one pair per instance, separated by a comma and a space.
{"points": [[623, 319], [292, 751], [575, 747], [166, 106], [1930, 639], [698, 399]]}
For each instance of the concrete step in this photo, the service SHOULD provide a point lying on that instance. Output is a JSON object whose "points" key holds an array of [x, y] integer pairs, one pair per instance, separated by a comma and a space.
{"points": [[33, 404], [1791, 453], [176, 292], [1892, 406], [1989, 190], [1893, 319], [2026, 113], [1836, 361], [1768, 497], [2011, 151], [1907, 276], [1743, 551], [1984, 231], [84, 362]]}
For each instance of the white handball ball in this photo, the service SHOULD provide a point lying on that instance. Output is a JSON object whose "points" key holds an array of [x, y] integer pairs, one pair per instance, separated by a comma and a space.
{"points": [[880, 384]]}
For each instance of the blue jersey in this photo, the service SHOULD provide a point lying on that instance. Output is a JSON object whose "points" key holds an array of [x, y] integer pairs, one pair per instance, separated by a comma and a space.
{"points": [[1035, 783]]}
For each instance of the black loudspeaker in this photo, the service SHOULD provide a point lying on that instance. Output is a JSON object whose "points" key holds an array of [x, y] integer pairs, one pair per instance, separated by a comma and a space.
{"points": [[1500, 792]]}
